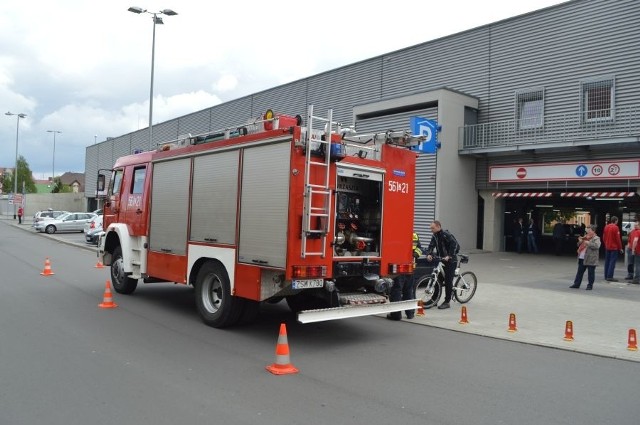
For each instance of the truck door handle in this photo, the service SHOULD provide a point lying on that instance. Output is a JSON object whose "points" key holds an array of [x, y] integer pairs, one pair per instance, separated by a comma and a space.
{"points": [[138, 211], [166, 250], [260, 261]]}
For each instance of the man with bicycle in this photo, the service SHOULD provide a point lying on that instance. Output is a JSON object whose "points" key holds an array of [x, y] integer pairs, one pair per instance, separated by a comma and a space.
{"points": [[447, 248]]}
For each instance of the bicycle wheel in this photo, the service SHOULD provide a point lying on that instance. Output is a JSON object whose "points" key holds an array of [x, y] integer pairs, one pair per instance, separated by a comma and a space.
{"points": [[431, 290], [465, 287]]}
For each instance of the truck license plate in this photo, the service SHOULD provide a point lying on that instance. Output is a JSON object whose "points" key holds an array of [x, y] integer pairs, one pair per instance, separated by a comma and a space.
{"points": [[308, 283]]}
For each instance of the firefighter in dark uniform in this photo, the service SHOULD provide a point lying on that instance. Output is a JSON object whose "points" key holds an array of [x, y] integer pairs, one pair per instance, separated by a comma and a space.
{"points": [[404, 285]]}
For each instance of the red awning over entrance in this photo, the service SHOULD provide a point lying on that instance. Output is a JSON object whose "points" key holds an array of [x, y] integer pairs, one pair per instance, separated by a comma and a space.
{"points": [[522, 194], [563, 194], [597, 194]]}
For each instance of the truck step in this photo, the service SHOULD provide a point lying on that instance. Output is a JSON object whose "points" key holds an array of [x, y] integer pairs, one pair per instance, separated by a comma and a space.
{"points": [[358, 298]]}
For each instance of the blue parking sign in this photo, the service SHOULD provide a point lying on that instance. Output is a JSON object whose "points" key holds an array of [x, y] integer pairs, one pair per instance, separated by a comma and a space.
{"points": [[427, 128]]}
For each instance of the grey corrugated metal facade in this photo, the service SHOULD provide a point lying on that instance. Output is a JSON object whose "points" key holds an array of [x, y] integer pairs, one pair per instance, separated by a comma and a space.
{"points": [[552, 51]]}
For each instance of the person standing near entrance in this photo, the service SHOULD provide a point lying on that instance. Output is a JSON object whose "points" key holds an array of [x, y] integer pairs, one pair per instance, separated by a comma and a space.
{"points": [[532, 233], [518, 234], [20, 213], [634, 244], [612, 245], [558, 237], [588, 252]]}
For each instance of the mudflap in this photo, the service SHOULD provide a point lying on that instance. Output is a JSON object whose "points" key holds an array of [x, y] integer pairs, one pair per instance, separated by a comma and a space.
{"points": [[357, 310]]}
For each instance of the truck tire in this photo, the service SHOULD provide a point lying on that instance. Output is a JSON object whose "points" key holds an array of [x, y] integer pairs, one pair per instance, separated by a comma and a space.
{"points": [[215, 304], [122, 283], [250, 312]]}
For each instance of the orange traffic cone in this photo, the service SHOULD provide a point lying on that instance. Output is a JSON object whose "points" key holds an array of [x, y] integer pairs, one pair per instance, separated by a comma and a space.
{"points": [[463, 316], [633, 341], [99, 265], [283, 365], [420, 311], [47, 268], [512, 323], [568, 331], [107, 300]]}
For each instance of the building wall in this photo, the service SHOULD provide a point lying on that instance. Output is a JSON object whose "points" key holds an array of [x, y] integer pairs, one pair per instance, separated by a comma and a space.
{"points": [[73, 202], [553, 49]]}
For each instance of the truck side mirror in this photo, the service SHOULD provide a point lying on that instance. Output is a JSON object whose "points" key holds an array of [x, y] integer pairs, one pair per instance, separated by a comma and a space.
{"points": [[101, 180]]}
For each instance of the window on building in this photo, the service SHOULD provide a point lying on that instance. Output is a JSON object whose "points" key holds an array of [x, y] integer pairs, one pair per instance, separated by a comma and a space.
{"points": [[530, 108], [597, 99]]}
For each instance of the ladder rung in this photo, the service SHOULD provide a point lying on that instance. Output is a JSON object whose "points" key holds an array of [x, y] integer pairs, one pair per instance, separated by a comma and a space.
{"points": [[324, 164], [326, 190], [319, 186], [319, 215]]}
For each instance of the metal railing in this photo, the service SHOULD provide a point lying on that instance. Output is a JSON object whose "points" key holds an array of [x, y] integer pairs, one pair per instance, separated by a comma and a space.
{"points": [[621, 122]]}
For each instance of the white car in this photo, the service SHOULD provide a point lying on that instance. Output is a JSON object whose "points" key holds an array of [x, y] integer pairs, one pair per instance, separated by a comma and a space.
{"points": [[46, 215], [69, 222], [93, 230], [95, 223]]}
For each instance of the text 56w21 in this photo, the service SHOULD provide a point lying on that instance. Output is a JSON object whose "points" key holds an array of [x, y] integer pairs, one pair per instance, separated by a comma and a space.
{"points": [[396, 186]]}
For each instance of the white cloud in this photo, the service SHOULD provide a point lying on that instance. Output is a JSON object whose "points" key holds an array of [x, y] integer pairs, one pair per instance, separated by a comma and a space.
{"points": [[225, 83], [83, 68]]}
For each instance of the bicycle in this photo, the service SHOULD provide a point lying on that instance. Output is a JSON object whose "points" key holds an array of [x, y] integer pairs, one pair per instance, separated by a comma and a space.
{"points": [[464, 285]]}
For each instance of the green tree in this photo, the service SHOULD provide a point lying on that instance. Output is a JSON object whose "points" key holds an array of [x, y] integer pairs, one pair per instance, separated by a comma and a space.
{"points": [[24, 177], [59, 187]]}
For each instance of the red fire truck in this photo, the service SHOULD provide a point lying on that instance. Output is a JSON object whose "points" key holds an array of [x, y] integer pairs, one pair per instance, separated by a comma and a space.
{"points": [[270, 210]]}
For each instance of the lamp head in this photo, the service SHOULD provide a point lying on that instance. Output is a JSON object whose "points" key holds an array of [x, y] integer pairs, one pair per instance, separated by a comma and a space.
{"points": [[136, 9]]}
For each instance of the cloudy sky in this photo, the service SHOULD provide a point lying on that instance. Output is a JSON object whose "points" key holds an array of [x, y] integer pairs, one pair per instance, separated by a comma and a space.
{"points": [[83, 67]]}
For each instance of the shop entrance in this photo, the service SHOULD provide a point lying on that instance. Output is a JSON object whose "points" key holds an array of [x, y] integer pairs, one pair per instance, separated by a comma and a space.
{"points": [[573, 213]]}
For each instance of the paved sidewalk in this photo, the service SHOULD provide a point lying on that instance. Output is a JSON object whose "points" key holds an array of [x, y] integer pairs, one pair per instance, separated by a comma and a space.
{"points": [[536, 289]]}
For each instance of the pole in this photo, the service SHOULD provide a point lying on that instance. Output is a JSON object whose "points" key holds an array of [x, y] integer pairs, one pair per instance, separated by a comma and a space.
{"points": [[15, 178], [53, 165], [153, 58]]}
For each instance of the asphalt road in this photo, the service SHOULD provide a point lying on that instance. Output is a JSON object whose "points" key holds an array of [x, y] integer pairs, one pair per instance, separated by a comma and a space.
{"points": [[65, 361]]}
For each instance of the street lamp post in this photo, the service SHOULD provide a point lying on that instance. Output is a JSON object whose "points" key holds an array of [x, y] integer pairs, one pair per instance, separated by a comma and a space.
{"points": [[15, 177], [156, 20], [53, 165]]}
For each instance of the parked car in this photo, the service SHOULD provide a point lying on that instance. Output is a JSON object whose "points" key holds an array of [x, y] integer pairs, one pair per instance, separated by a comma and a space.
{"points": [[95, 223], [46, 215], [93, 230], [69, 222]]}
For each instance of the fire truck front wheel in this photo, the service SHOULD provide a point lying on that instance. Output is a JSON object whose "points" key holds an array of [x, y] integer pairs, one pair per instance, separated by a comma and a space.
{"points": [[216, 306], [122, 283]]}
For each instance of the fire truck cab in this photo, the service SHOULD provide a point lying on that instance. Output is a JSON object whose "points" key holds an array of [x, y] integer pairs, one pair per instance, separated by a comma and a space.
{"points": [[269, 210]]}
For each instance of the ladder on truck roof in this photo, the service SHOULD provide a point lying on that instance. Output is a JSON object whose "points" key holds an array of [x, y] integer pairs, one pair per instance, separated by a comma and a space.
{"points": [[317, 193]]}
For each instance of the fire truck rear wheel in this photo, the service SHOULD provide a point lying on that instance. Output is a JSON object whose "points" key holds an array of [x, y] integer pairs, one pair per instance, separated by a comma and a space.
{"points": [[121, 282], [216, 306]]}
